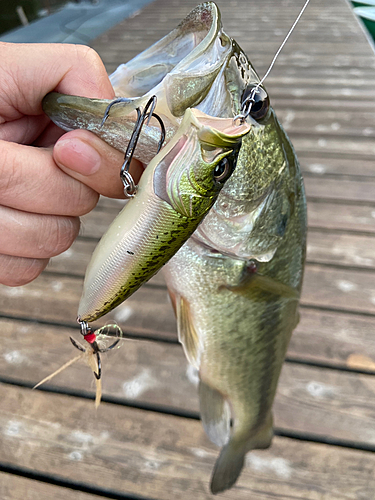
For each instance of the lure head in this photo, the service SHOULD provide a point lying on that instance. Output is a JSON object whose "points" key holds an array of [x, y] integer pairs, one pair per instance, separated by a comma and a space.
{"points": [[191, 170]]}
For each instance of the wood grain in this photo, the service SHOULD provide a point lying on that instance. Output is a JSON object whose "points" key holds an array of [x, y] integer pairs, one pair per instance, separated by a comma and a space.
{"points": [[309, 401], [321, 214], [56, 298], [321, 164], [13, 487], [322, 247], [163, 456]]}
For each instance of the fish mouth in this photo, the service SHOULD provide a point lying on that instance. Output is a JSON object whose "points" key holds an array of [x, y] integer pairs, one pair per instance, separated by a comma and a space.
{"points": [[194, 42], [180, 70]]}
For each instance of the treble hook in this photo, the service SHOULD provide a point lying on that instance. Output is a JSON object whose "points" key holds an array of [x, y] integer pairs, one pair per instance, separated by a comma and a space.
{"points": [[142, 116], [146, 115], [91, 338], [116, 101]]}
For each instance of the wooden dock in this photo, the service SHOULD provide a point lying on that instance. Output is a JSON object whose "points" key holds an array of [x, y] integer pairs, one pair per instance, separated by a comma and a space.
{"points": [[146, 441]]}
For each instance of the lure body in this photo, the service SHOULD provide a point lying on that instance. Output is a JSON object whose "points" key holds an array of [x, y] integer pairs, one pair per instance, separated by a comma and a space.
{"points": [[176, 191]]}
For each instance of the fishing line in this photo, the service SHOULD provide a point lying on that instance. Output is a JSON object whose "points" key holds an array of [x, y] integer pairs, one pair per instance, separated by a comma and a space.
{"points": [[284, 42], [250, 100]]}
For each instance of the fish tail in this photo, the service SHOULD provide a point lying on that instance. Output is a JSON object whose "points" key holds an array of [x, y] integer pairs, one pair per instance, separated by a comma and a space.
{"points": [[232, 456], [227, 468]]}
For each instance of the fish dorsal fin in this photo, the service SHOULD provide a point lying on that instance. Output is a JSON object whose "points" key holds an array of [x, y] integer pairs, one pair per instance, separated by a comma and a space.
{"points": [[215, 414], [187, 334]]}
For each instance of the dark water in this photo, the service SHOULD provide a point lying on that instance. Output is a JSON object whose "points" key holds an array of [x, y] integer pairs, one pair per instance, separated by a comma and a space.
{"points": [[9, 19]]}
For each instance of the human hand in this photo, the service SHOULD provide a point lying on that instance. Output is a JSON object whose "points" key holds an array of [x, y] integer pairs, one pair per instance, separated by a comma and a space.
{"points": [[40, 204]]}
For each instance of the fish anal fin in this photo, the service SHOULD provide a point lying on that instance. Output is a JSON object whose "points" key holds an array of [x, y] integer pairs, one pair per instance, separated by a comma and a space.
{"points": [[215, 414], [187, 333]]}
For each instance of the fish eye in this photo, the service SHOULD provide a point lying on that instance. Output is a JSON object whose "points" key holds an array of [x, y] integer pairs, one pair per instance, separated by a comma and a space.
{"points": [[260, 101], [222, 170]]}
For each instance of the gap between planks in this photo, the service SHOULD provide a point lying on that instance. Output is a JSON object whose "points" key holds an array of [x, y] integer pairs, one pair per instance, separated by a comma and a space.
{"points": [[137, 451]]}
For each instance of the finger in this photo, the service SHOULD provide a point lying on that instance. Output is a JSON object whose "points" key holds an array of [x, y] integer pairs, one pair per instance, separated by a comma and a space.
{"points": [[17, 271], [31, 181], [49, 136], [35, 236], [90, 160], [24, 130], [36, 69]]}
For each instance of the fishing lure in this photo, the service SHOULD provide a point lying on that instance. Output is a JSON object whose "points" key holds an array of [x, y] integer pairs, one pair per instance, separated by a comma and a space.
{"points": [[176, 191]]}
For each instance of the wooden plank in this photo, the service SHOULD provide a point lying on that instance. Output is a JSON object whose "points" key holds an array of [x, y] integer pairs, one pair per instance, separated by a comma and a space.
{"points": [[331, 75], [56, 298], [352, 191], [339, 216], [309, 400], [331, 338], [321, 94], [322, 247], [260, 34], [334, 339], [74, 260], [164, 457], [341, 249], [13, 487], [339, 122], [321, 214], [312, 163], [300, 102], [360, 147], [353, 290]]}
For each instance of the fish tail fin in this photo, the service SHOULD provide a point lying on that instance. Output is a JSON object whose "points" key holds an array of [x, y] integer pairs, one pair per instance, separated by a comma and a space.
{"points": [[229, 465]]}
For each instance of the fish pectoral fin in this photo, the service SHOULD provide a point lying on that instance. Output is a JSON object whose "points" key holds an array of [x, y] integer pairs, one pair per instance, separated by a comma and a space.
{"points": [[215, 414], [275, 287], [187, 334], [264, 284]]}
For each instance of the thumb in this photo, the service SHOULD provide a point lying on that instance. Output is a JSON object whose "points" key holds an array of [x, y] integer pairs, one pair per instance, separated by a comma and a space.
{"points": [[85, 157]]}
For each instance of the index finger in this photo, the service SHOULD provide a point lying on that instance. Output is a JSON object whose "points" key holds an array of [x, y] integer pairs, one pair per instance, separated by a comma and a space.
{"points": [[30, 71]]}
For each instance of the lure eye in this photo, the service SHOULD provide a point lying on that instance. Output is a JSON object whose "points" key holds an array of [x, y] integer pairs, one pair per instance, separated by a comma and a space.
{"points": [[222, 170], [259, 101]]}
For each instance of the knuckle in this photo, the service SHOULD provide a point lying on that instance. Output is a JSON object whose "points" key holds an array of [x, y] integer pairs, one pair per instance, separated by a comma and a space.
{"points": [[31, 270], [88, 199], [18, 271], [58, 234], [89, 56], [8, 170]]}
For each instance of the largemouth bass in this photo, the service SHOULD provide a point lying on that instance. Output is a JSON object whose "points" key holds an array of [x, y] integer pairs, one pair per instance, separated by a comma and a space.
{"points": [[235, 284]]}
